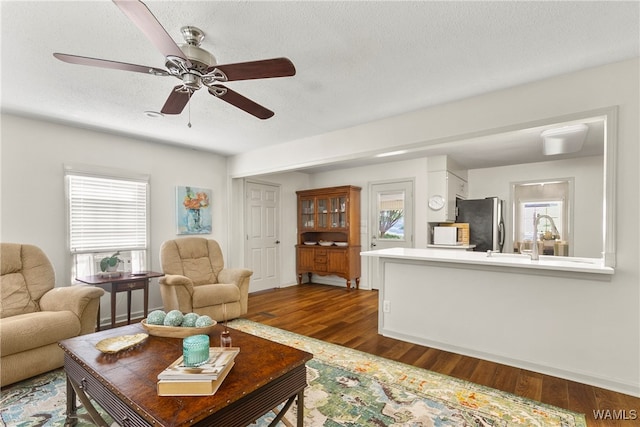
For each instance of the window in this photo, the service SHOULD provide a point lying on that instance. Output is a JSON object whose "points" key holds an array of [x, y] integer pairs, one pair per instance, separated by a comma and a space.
{"points": [[391, 215], [552, 201], [106, 214]]}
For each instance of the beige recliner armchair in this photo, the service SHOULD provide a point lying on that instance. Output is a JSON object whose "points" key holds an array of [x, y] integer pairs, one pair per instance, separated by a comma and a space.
{"points": [[35, 314], [196, 281]]}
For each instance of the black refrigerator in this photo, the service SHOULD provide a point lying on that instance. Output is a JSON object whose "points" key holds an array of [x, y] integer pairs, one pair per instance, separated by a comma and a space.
{"points": [[486, 224]]}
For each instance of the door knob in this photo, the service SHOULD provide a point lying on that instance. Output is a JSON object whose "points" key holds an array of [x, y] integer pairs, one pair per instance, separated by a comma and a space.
{"points": [[277, 242]]}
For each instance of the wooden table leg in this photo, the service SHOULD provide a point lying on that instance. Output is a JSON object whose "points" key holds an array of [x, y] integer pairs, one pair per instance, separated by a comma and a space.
{"points": [[128, 307], [113, 307], [98, 320], [88, 406], [281, 413], [146, 298], [300, 404], [72, 407]]}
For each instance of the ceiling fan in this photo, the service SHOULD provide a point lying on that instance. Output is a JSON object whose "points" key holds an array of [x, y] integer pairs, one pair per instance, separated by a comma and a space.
{"points": [[194, 66]]}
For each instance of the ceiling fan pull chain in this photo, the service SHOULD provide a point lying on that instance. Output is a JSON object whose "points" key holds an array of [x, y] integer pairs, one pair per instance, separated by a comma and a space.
{"points": [[189, 103]]}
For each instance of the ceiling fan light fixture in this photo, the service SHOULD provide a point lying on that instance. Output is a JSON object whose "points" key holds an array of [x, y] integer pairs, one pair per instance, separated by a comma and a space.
{"points": [[200, 58], [566, 139], [191, 82], [191, 64]]}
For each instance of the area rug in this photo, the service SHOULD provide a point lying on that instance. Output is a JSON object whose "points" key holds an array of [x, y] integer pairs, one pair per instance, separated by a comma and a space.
{"points": [[351, 388], [346, 388]]}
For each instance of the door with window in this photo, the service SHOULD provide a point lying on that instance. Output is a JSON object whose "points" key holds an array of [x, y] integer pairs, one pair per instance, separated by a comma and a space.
{"points": [[263, 227], [391, 222], [391, 218]]}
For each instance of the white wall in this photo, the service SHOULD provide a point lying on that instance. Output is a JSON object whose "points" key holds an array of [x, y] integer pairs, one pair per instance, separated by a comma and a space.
{"points": [[568, 94], [609, 312], [33, 198], [587, 208]]}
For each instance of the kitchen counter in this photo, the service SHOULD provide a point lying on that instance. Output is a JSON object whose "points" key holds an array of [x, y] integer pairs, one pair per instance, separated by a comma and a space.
{"points": [[505, 307], [546, 263]]}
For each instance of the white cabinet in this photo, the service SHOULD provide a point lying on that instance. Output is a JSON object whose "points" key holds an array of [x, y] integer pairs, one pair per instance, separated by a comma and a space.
{"points": [[444, 188], [457, 187]]}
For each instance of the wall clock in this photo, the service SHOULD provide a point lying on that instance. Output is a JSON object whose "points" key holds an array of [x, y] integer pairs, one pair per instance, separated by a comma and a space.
{"points": [[436, 202]]}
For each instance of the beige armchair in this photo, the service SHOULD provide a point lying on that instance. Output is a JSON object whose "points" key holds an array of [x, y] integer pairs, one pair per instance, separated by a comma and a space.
{"points": [[35, 314], [196, 281]]}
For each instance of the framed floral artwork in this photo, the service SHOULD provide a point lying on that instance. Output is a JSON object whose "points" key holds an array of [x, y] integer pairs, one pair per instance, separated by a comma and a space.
{"points": [[193, 210]]}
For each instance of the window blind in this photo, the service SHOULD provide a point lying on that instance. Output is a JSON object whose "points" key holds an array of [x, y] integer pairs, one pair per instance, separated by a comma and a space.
{"points": [[106, 214]]}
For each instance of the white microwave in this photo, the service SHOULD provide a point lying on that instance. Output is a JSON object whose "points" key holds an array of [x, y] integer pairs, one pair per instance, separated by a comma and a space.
{"points": [[445, 235]]}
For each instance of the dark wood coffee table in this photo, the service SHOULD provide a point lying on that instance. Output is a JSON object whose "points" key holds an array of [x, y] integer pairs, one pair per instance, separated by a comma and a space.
{"points": [[265, 375]]}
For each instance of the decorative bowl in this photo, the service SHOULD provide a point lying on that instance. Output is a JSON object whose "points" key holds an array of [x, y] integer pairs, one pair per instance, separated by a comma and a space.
{"points": [[341, 244], [176, 331], [116, 344], [310, 243], [326, 243]]}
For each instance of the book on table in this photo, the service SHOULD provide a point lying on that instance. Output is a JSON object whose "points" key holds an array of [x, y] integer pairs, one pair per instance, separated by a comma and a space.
{"points": [[219, 357], [193, 387], [204, 380]]}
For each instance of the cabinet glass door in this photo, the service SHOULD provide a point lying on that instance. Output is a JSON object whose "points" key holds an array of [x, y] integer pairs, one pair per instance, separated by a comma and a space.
{"points": [[307, 213], [323, 214], [339, 212]]}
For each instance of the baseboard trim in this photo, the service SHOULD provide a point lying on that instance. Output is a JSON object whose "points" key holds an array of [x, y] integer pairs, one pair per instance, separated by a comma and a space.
{"points": [[337, 281], [581, 377]]}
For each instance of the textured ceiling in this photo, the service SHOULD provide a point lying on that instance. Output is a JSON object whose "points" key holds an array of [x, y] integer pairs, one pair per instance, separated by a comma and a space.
{"points": [[356, 61]]}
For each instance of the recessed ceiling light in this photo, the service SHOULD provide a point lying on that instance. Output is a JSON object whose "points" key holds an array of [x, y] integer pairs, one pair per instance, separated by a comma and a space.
{"points": [[391, 153], [153, 114]]}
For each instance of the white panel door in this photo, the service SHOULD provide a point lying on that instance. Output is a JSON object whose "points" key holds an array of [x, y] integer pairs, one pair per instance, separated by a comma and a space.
{"points": [[263, 244]]}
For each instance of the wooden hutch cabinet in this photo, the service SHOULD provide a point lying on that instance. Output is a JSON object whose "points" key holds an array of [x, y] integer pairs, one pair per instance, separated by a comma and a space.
{"points": [[329, 233]]}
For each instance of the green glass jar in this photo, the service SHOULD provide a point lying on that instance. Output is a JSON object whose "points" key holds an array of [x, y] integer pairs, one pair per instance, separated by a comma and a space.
{"points": [[195, 350]]}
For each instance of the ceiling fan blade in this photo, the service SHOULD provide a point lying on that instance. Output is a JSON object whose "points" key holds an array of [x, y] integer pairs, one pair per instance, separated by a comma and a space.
{"points": [[243, 103], [176, 102], [104, 63], [263, 69], [140, 14]]}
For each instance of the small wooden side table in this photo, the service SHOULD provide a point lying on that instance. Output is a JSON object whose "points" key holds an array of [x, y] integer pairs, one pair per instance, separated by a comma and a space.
{"points": [[120, 282]]}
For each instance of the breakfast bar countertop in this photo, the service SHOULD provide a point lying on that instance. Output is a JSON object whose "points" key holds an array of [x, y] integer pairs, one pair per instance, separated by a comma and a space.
{"points": [[510, 260]]}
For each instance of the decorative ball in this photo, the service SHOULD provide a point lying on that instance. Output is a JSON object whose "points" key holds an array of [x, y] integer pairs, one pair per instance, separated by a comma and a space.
{"points": [[204, 321], [156, 317], [173, 318], [189, 320]]}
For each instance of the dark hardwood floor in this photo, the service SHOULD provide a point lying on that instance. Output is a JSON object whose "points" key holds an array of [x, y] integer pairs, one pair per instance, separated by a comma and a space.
{"points": [[350, 318]]}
